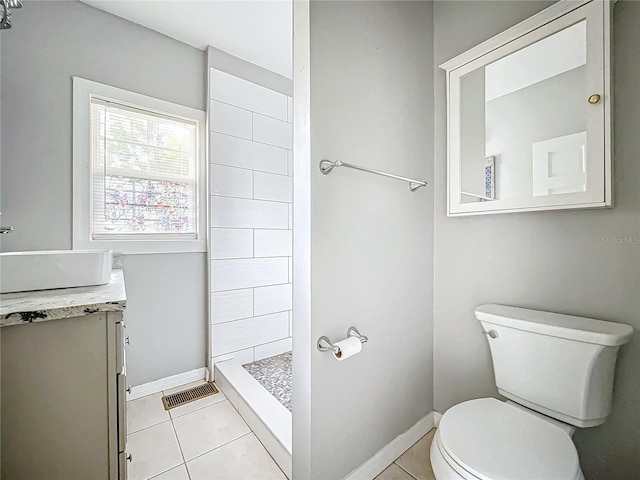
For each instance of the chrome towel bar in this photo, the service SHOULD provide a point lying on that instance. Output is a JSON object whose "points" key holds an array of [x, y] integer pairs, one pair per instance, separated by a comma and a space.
{"points": [[325, 345], [326, 166]]}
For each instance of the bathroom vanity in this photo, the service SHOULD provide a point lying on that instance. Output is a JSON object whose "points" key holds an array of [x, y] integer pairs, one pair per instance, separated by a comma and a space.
{"points": [[63, 382]]}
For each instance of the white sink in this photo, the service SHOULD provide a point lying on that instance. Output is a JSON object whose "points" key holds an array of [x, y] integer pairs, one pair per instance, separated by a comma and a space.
{"points": [[26, 271]]}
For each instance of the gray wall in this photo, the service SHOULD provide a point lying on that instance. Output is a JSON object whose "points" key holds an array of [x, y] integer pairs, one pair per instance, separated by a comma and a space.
{"points": [[556, 261], [371, 244], [48, 44], [548, 109]]}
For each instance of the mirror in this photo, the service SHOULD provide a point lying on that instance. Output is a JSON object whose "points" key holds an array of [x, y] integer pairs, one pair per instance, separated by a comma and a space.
{"points": [[527, 120]]}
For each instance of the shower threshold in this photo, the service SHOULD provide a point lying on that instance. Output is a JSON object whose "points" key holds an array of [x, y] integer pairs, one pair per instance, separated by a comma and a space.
{"points": [[269, 419]]}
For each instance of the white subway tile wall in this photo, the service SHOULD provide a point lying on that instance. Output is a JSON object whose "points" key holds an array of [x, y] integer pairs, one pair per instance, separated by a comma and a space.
{"points": [[277, 188], [245, 213], [237, 152], [251, 197], [272, 243], [231, 181], [272, 349], [272, 131], [250, 332], [276, 298], [231, 243], [236, 91], [230, 120], [231, 305]]}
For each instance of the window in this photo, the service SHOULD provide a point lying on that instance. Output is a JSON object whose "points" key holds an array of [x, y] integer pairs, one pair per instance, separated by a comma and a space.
{"points": [[138, 170]]}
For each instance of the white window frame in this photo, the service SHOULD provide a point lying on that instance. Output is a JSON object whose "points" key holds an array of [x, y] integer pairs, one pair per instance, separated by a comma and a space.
{"points": [[83, 91]]}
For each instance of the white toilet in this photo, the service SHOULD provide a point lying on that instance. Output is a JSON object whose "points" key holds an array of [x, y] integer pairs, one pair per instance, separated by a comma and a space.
{"points": [[557, 372]]}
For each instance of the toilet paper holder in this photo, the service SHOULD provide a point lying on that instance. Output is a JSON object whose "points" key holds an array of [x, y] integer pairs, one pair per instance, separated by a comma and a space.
{"points": [[325, 345]]}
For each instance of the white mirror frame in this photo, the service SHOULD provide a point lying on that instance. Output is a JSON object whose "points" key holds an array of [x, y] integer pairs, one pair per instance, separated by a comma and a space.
{"points": [[562, 14]]}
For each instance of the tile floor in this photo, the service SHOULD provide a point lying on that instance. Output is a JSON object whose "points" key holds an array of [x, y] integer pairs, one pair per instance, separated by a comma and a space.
{"points": [[414, 464], [205, 439], [208, 440]]}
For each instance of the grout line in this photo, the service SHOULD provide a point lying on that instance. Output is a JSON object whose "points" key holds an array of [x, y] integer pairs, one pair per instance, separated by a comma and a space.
{"points": [[271, 456], [253, 111], [230, 353], [211, 197], [250, 140], [245, 288], [204, 406], [149, 426], [250, 228], [400, 467], [227, 443], [249, 318], [270, 256], [219, 164], [230, 228], [175, 433], [217, 195], [161, 473]]}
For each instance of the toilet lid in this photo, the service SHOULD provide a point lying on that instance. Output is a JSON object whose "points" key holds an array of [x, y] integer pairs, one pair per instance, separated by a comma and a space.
{"points": [[496, 441]]}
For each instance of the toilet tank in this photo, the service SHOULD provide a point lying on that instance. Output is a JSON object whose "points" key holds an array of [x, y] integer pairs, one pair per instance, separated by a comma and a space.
{"points": [[559, 365]]}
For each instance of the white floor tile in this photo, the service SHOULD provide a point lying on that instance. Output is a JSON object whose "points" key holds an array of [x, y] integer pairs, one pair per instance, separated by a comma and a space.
{"points": [[145, 412], [153, 450], [177, 473], [208, 428], [394, 472], [244, 458]]}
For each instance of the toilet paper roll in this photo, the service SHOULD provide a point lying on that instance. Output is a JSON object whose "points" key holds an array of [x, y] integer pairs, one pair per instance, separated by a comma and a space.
{"points": [[347, 348]]}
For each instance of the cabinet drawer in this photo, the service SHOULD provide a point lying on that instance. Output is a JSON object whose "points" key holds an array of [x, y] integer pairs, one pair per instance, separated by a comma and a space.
{"points": [[122, 412]]}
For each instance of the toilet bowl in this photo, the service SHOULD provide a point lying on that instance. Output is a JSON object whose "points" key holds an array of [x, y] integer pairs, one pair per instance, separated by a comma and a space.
{"points": [[557, 372], [492, 440]]}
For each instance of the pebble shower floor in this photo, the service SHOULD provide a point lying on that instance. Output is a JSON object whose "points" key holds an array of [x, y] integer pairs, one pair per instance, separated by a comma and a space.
{"points": [[274, 374]]}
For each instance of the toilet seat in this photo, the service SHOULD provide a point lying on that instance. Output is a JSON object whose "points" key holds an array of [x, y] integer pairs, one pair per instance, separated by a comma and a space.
{"points": [[488, 439]]}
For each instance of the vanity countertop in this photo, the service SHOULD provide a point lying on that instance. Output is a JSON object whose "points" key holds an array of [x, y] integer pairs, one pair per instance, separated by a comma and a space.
{"points": [[42, 305]]}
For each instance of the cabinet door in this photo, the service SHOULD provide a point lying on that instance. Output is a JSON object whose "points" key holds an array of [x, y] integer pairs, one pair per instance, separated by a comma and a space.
{"points": [[529, 118]]}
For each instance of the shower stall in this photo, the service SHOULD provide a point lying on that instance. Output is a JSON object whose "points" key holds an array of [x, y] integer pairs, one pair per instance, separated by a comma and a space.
{"points": [[250, 251]]}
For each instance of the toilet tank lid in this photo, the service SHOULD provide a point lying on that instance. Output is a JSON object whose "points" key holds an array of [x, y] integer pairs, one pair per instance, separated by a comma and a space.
{"points": [[570, 327]]}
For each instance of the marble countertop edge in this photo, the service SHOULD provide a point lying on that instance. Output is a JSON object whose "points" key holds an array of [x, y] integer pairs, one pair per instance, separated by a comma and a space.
{"points": [[43, 305]]}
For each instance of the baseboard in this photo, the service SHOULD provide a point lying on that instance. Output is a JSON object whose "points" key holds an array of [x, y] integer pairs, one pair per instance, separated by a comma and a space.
{"points": [[169, 382], [385, 457], [436, 418]]}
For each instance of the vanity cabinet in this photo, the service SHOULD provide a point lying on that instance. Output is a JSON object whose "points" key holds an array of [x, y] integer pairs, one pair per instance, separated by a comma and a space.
{"points": [[529, 115], [63, 398]]}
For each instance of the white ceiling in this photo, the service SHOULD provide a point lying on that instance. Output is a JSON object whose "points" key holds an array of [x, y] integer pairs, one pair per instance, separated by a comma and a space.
{"points": [[257, 31]]}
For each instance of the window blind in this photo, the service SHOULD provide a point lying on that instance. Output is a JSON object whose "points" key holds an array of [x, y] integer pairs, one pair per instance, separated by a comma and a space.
{"points": [[144, 176]]}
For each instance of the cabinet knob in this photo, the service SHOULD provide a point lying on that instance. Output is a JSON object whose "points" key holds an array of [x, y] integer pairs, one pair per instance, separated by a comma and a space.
{"points": [[593, 99], [129, 457], [127, 340], [129, 389]]}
